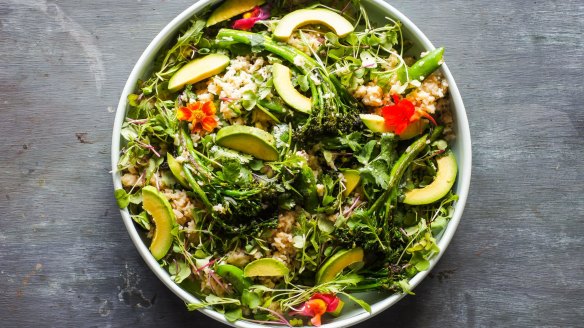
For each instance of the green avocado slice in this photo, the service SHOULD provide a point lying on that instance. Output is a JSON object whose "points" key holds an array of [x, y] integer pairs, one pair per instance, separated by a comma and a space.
{"points": [[443, 182], [159, 208], [352, 179], [337, 263], [337, 23], [231, 8], [265, 267], [198, 70], [249, 140], [283, 84]]}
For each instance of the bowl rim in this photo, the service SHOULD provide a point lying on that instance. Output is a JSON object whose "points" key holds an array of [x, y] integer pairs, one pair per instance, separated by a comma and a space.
{"points": [[463, 182]]}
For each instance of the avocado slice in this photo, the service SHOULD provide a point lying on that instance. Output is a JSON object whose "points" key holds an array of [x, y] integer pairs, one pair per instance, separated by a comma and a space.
{"points": [[352, 178], [176, 169], [249, 140], [265, 267], [337, 263], [337, 23], [198, 70], [376, 123], [234, 275], [159, 208], [441, 185], [283, 84], [231, 8]]}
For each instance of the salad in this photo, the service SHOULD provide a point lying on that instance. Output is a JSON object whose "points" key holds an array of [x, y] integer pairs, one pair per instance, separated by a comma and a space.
{"points": [[282, 157]]}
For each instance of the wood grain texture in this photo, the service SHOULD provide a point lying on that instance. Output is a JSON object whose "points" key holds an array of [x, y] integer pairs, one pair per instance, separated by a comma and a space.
{"points": [[516, 260]]}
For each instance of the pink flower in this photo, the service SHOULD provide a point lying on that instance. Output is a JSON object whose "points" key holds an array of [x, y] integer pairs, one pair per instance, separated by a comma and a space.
{"points": [[251, 17], [316, 306]]}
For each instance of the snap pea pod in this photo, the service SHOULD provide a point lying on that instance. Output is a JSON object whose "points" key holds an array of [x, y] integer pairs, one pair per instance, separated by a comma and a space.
{"points": [[423, 67], [397, 171], [234, 276]]}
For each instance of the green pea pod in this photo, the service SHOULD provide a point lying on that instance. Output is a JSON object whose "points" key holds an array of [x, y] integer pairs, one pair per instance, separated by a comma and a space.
{"points": [[234, 276], [423, 67]]}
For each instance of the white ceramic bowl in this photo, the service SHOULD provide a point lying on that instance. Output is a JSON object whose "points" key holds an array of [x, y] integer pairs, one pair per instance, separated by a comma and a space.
{"points": [[462, 148]]}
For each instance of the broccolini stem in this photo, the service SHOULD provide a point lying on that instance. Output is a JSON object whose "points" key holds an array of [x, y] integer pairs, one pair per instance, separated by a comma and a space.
{"points": [[398, 170], [286, 52]]}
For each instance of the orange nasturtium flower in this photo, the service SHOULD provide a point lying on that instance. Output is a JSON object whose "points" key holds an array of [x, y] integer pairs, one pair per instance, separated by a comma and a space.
{"points": [[317, 305], [200, 114], [401, 114]]}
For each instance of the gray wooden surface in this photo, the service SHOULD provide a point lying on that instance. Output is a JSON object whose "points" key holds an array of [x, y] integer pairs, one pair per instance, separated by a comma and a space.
{"points": [[516, 260]]}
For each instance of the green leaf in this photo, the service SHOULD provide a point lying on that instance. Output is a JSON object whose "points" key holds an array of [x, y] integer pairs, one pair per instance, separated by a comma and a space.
{"points": [[250, 299], [404, 285], [179, 271], [360, 302], [122, 198], [376, 172], [257, 42], [332, 38], [352, 140], [352, 39], [133, 99], [365, 154], [249, 100], [256, 164], [302, 81], [299, 241], [196, 306], [233, 315], [142, 220], [329, 158], [231, 171], [325, 225]]}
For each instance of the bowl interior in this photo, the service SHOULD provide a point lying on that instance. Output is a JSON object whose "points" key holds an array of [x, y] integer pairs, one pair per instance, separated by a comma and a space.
{"points": [[379, 301]]}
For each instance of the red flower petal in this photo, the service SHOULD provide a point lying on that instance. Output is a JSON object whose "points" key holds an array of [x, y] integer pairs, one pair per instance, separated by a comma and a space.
{"points": [[250, 18], [398, 116], [244, 24], [331, 300], [316, 306]]}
